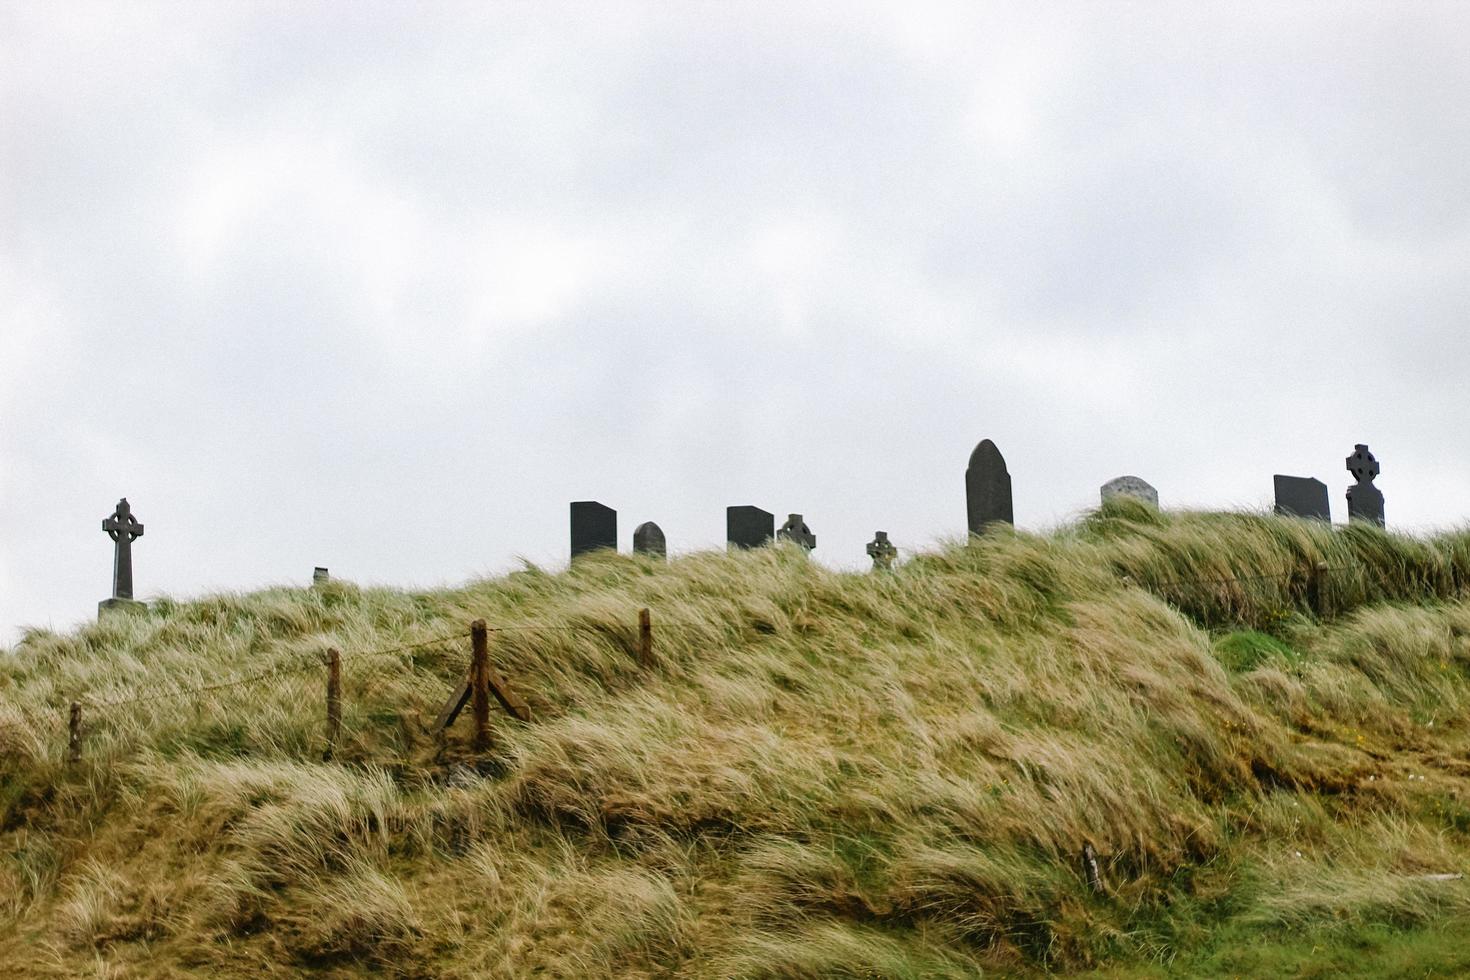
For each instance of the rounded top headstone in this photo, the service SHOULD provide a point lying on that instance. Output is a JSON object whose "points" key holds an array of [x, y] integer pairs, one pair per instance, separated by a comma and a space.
{"points": [[1130, 486], [987, 455]]}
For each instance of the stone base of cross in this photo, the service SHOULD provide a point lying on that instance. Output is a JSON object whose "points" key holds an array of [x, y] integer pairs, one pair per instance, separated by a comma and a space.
{"points": [[115, 605]]}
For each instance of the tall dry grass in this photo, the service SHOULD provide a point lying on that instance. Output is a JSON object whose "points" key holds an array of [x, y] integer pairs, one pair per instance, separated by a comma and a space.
{"points": [[827, 774]]}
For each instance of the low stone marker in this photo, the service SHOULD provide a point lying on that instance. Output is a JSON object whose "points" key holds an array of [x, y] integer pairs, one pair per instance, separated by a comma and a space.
{"points": [[1365, 501], [1129, 486], [748, 527], [1302, 496], [987, 489], [882, 551], [123, 528], [648, 539], [594, 527], [320, 576], [796, 531]]}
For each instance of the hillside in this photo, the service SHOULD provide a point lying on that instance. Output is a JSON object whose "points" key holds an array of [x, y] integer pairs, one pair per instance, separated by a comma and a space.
{"points": [[821, 774]]}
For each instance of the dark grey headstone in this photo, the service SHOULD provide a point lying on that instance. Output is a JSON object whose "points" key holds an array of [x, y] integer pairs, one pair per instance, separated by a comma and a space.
{"points": [[320, 575], [1130, 486], [795, 530], [122, 527], [648, 539], [748, 527], [882, 551], [988, 488], [1365, 501], [594, 526], [1302, 496]]}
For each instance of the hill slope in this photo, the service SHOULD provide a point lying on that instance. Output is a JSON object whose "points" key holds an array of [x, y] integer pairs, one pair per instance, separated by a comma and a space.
{"points": [[823, 775]]}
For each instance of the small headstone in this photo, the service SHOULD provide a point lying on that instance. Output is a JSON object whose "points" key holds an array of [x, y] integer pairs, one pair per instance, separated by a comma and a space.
{"points": [[1302, 496], [1130, 486], [795, 530], [882, 551], [988, 488], [748, 527], [1365, 501], [122, 527], [648, 539], [319, 576], [594, 527]]}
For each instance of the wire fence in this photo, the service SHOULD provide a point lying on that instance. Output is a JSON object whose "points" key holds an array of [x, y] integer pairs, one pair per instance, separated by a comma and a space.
{"points": [[328, 701]]}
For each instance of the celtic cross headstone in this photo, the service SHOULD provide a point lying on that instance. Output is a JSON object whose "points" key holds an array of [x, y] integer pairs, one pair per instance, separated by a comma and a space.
{"points": [[882, 551], [795, 530], [122, 527], [1365, 501]]}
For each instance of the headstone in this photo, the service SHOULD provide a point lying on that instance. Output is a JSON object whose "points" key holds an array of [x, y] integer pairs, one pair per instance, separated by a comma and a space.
{"points": [[648, 539], [1130, 486], [1302, 496], [122, 527], [319, 575], [882, 551], [594, 527], [1365, 501], [795, 530], [748, 527], [988, 488]]}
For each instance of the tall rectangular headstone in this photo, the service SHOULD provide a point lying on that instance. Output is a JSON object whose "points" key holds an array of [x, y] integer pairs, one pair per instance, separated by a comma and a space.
{"points": [[1302, 496], [748, 527], [594, 526], [988, 488]]}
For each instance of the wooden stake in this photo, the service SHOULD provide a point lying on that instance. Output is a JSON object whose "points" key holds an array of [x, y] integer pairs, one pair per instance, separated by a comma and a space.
{"points": [[645, 639], [334, 702], [1090, 869], [1317, 589], [74, 734], [480, 682]]}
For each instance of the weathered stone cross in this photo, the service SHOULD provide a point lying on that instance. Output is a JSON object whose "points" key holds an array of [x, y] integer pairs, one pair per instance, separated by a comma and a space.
{"points": [[122, 527]]}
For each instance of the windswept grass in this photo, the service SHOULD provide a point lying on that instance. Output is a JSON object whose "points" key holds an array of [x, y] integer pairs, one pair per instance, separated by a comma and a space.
{"points": [[826, 774]]}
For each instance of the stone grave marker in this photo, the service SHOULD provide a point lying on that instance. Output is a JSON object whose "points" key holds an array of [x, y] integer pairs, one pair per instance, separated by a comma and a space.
{"points": [[320, 576], [1130, 486], [795, 530], [1365, 501], [122, 527], [1302, 496], [648, 539], [594, 527], [987, 488], [748, 527], [882, 551]]}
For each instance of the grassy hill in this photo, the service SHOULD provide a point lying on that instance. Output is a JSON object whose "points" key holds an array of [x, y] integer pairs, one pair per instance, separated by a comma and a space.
{"points": [[824, 774]]}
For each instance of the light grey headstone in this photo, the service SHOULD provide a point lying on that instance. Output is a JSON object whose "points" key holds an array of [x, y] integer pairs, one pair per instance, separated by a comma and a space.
{"points": [[1365, 501], [1302, 496], [1130, 486], [795, 530], [648, 539], [987, 488], [594, 527]]}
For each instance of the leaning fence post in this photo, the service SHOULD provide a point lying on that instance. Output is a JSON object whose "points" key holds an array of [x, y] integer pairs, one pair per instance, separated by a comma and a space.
{"points": [[645, 638], [1316, 589], [74, 733], [334, 702], [480, 682]]}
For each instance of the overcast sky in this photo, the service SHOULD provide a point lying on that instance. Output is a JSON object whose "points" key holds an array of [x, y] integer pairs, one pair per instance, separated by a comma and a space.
{"points": [[384, 287]]}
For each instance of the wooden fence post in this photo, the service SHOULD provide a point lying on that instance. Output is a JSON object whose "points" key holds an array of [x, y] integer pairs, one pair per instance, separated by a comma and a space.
{"points": [[1317, 589], [334, 702], [645, 639], [480, 682], [74, 733]]}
